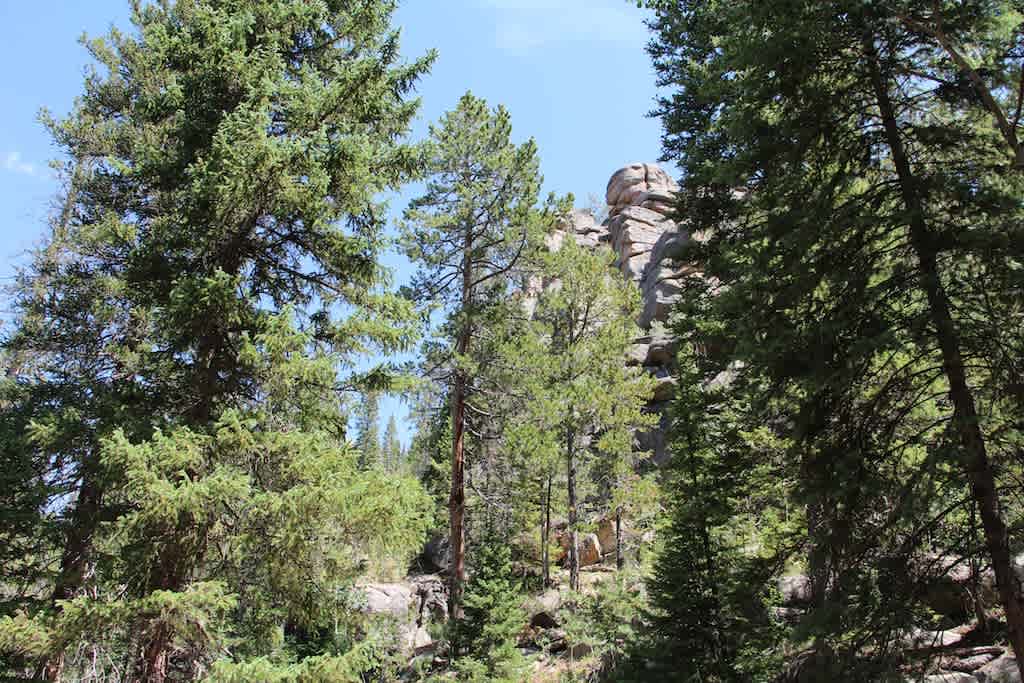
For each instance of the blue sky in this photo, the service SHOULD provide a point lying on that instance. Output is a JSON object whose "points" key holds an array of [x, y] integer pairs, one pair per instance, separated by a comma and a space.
{"points": [[573, 74]]}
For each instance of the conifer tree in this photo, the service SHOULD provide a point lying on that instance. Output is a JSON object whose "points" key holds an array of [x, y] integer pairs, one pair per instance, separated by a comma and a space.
{"points": [[852, 167], [392, 447], [478, 215], [225, 159], [582, 401], [368, 431], [486, 638]]}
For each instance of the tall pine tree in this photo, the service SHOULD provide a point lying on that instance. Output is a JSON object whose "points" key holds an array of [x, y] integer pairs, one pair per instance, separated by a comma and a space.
{"points": [[224, 163]]}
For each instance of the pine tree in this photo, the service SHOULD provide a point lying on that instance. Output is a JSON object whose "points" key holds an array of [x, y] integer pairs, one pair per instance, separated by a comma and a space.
{"points": [[392, 447], [368, 432], [582, 401], [220, 209], [845, 210], [479, 212]]}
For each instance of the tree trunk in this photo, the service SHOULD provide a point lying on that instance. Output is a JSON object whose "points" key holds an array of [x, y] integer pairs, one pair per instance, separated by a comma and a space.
{"points": [[457, 496], [574, 541], [620, 561], [74, 564], [974, 455], [74, 559], [457, 501], [545, 536], [154, 658]]}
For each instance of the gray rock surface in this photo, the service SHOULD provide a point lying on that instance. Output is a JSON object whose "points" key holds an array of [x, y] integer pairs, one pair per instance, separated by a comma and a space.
{"points": [[1001, 670], [395, 599]]}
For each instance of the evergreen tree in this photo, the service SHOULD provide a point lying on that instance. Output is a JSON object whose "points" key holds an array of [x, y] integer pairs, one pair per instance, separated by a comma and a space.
{"points": [[220, 208], [582, 400], [368, 430], [479, 212], [392, 447], [485, 640], [851, 169]]}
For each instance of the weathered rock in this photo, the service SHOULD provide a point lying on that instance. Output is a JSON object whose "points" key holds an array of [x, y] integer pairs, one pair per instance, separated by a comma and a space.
{"points": [[795, 590], [947, 677], [628, 184], [436, 555], [606, 533], [972, 662], [388, 598], [590, 550], [416, 639], [431, 594], [919, 639], [543, 609], [1001, 670]]}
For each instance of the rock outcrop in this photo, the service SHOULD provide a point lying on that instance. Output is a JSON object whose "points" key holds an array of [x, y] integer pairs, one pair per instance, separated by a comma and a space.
{"points": [[647, 241]]}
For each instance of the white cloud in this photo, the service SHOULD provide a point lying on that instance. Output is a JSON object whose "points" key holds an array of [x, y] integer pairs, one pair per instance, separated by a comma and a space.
{"points": [[523, 25], [14, 163]]}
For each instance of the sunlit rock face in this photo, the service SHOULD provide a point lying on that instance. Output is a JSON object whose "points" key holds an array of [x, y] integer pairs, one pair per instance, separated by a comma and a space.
{"points": [[647, 240]]}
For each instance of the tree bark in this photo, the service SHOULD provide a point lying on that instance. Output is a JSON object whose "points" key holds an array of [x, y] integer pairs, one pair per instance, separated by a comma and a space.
{"points": [[574, 541], [620, 561], [974, 456], [545, 536], [457, 495], [74, 562]]}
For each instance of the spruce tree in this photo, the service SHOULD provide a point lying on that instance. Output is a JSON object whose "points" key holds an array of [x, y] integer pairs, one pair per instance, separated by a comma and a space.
{"points": [[225, 160], [368, 431], [851, 169], [392, 447], [485, 640]]}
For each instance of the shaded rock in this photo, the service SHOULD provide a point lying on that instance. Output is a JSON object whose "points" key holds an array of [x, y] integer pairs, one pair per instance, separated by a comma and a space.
{"points": [[436, 555], [666, 384], [795, 590], [1000, 670]]}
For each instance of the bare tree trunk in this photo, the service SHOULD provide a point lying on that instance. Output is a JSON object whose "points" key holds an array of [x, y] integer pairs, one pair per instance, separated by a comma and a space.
{"points": [[545, 535], [974, 456], [620, 560], [574, 541]]}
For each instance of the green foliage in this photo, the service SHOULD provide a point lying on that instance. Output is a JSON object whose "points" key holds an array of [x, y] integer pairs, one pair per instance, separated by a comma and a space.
{"points": [[368, 430], [824, 426], [184, 342], [486, 639]]}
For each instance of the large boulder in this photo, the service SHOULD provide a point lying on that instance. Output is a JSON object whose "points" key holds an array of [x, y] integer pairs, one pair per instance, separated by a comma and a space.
{"points": [[436, 555], [395, 599], [543, 609], [1001, 670], [590, 550], [947, 677], [795, 590]]}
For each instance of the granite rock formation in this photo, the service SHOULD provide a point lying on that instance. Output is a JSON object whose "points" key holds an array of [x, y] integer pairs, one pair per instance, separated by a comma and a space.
{"points": [[647, 240]]}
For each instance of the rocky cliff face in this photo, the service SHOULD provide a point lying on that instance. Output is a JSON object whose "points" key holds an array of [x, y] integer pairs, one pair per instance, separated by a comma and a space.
{"points": [[647, 241]]}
